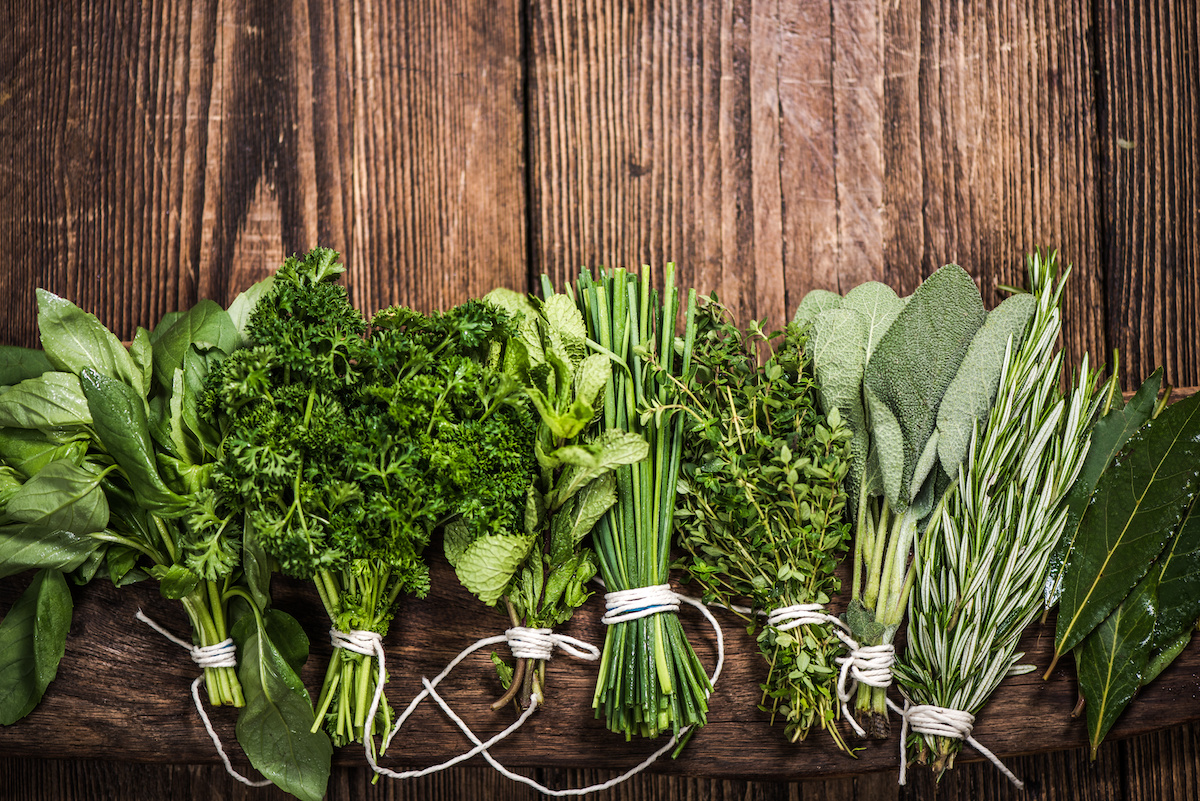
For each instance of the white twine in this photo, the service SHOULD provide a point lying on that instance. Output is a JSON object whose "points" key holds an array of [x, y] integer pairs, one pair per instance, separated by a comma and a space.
{"points": [[624, 605], [940, 721], [639, 608], [863, 664], [359, 641], [223, 654]]}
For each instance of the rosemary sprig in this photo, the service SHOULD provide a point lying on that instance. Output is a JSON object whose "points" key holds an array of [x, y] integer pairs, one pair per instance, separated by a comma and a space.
{"points": [[650, 680], [983, 558]]}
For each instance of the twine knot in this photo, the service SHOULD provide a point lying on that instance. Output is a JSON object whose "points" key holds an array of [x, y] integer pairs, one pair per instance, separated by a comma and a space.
{"points": [[624, 605], [359, 641], [527, 643], [940, 721]]}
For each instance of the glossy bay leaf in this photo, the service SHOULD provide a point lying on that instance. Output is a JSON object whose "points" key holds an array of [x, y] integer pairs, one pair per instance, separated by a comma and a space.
{"points": [[1109, 435], [1179, 582], [1138, 503]]}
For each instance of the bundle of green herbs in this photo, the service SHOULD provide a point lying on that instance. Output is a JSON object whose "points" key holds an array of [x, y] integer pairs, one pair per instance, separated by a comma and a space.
{"points": [[982, 562], [1130, 598], [344, 445], [533, 559], [761, 502], [108, 471], [901, 376], [650, 679]]}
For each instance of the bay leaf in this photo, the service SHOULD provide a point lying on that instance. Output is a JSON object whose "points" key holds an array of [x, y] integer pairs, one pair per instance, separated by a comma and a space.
{"points": [[1138, 503], [1109, 435], [1179, 582]]}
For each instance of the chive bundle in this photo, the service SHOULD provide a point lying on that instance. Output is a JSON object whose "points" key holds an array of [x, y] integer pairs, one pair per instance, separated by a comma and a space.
{"points": [[650, 679]]}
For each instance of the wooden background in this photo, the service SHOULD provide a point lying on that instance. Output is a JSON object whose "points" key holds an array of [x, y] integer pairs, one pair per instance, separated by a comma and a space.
{"points": [[155, 153]]}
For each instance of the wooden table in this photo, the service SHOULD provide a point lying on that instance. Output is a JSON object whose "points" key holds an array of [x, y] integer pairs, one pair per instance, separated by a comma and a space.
{"points": [[152, 153]]}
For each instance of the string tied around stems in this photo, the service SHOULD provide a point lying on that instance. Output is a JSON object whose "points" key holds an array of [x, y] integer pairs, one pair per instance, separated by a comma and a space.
{"points": [[624, 605], [863, 664], [220, 655], [359, 641], [940, 721]]}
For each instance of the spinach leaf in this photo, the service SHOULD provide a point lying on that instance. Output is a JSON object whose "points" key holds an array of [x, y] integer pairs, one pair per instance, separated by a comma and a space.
{"points": [[18, 364], [33, 639], [75, 340], [24, 546], [62, 495], [1139, 501], [29, 450], [1109, 435], [205, 325], [274, 727], [124, 430], [51, 401]]}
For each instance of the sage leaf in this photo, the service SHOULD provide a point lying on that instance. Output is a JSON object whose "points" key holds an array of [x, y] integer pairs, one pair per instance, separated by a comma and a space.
{"points": [[1109, 435], [124, 430], [813, 304], [24, 546], [1138, 503], [1113, 658], [274, 727], [33, 638], [879, 307], [487, 565], [51, 401], [970, 395], [18, 364], [62, 495], [75, 340], [837, 344], [911, 369]]}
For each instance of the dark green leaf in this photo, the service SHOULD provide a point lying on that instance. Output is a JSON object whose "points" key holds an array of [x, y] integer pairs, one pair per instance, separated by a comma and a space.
{"points": [[1138, 503], [274, 725], [23, 546], [1179, 582], [123, 429], [75, 340], [256, 566], [18, 364], [62, 496], [1113, 658], [32, 642], [1109, 435], [51, 401], [175, 582], [288, 636]]}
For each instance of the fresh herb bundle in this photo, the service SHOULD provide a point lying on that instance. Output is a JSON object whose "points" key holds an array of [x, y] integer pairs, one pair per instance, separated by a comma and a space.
{"points": [[114, 466], [982, 561], [650, 679], [345, 445], [1130, 599], [536, 562], [762, 502], [911, 378]]}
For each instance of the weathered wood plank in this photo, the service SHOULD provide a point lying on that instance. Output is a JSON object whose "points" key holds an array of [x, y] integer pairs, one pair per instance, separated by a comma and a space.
{"points": [[1149, 87]]}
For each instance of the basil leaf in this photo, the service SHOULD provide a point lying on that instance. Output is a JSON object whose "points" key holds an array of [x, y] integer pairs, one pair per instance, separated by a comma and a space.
{"points": [[124, 431], [1109, 435], [1138, 503], [18, 364], [243, 306], [75, 340], [24, 546], [33, 639], [274, 727], [62, 495], [174, 582], [205, 325], [51, 401], [29, 450], [1113, 658], [141, 350]]}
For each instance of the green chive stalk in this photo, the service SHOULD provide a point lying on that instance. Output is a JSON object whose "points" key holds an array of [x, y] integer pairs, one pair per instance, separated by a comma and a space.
{"points": [[650, 680]]}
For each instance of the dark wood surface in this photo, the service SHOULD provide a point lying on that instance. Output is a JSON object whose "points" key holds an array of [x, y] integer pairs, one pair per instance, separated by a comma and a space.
{"points": [[155, 153]]}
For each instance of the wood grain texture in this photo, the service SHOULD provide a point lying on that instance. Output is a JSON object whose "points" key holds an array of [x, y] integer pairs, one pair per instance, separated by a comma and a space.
{"points": [[1149, 86]]}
